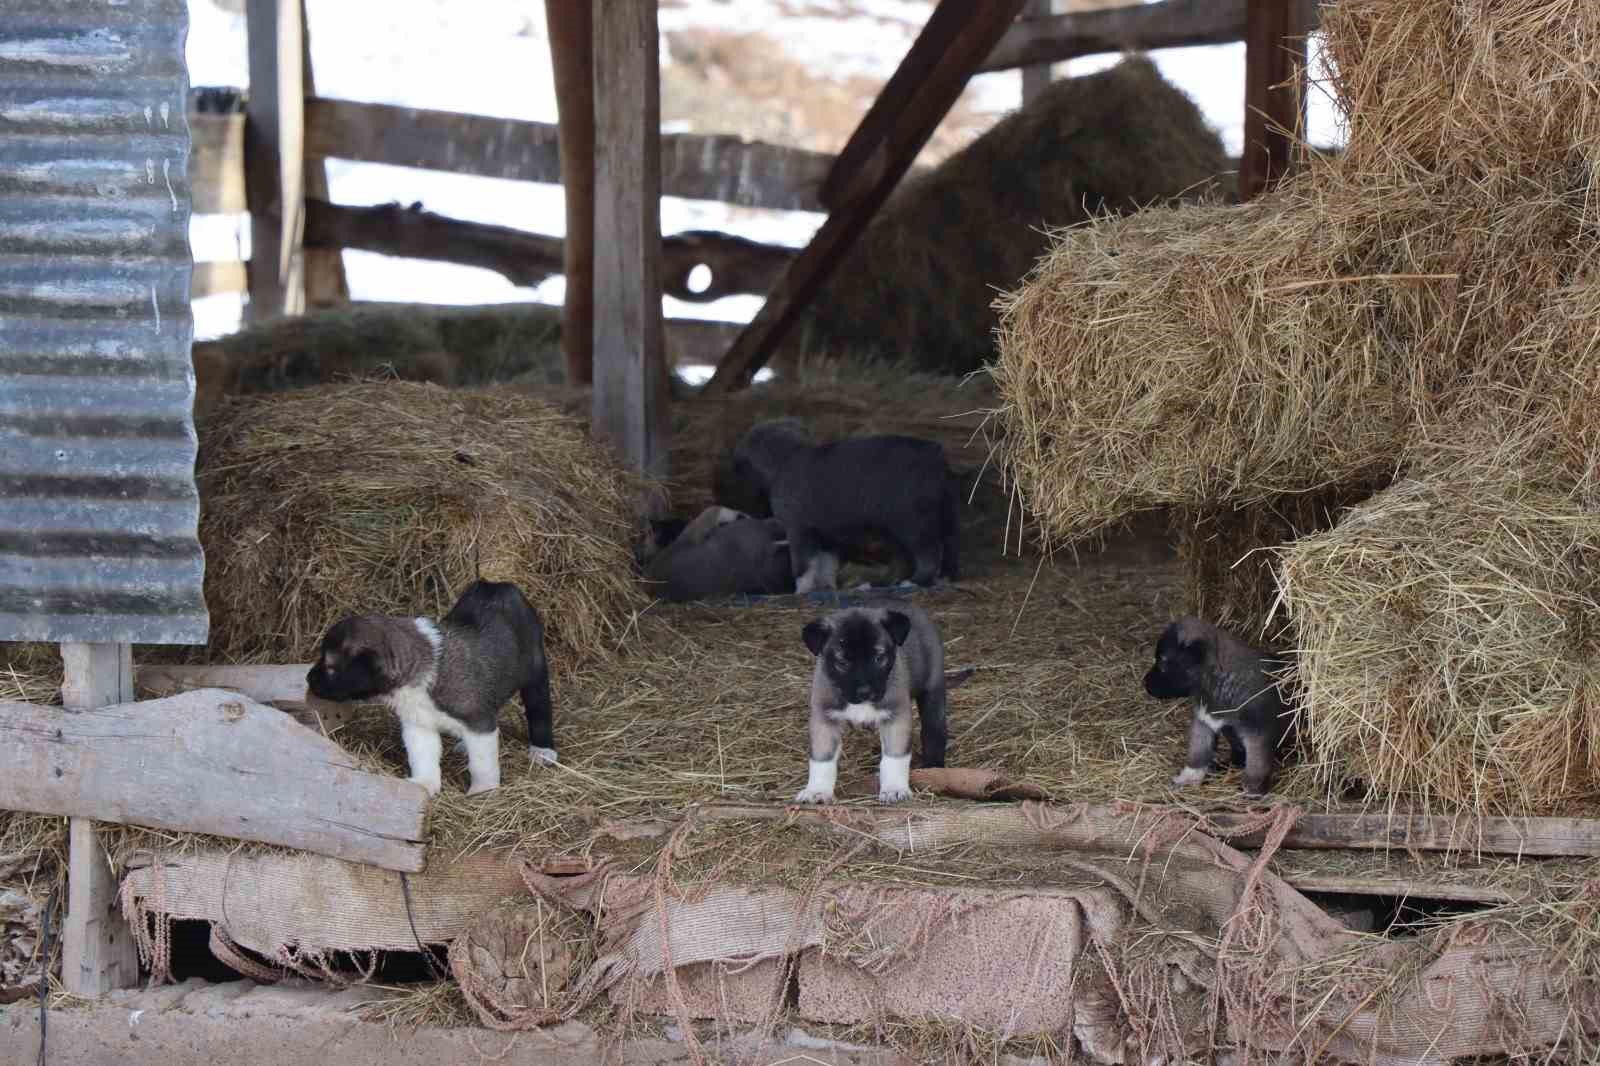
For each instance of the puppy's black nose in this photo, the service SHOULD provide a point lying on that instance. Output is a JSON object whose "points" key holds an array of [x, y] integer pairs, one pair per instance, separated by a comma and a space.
{"points": [[861, 694]]}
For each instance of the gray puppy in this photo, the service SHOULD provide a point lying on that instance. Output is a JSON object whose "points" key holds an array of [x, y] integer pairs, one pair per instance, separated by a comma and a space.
{"points": [[722, 553], [844, 498], [447, 678], [872, 662], [1235, 695]]}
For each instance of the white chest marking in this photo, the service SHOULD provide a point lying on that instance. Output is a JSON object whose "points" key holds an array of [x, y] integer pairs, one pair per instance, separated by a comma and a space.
{"points": [[1215, 724], [415, 708], [865, 715]]}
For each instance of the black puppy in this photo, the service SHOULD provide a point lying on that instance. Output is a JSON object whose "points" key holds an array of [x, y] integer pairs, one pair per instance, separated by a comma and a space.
{"points": [[450, 678], [722, 553], [835, 499], [1235, 695], [872, 662]]}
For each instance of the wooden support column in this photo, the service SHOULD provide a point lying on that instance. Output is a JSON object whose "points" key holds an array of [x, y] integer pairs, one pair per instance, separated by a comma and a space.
{"points": [[274, 157], [1035, 78], [97, 951], [571, 26], [1275, 62], [630, 375], [325, 281]]}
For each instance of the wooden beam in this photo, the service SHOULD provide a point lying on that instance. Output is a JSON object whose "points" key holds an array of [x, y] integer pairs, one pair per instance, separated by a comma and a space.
{"points": [[325, 281], [213, 762], [1529, 837], [571, 28], [216, 163], [274, 157], [694, 166], [630, 373], [212, 279], [879, 154], [98, 952], [1275, 62], [283, 687], [1134, 28], [526, 259], [1035, 76]]}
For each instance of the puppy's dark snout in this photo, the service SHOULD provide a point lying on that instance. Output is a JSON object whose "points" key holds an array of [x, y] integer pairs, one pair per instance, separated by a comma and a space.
{"points": [[860, 693]]}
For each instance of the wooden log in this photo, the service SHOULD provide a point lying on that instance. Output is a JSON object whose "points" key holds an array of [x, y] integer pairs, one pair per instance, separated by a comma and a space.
{"points": [[216, 163], [695, 166], [571, 28], [1275, 62], [97, 948], [282, 687], [1035, 76], [212, 279], [275, 158], [526, 259], [879, 154], [1136, 27], [630, 374], [213, 762], [325, 281]]}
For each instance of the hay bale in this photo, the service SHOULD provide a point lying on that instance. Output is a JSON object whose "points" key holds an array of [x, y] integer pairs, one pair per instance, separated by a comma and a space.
{"points": [[1467, 87], [919, 284], [389, 497], [1448, 631]]}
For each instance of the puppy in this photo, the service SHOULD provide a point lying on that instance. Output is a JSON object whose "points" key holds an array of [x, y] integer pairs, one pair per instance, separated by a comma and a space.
{"points": [[872, 662], [1234, 695], [447, 678], [836, 498], [722, 553]]}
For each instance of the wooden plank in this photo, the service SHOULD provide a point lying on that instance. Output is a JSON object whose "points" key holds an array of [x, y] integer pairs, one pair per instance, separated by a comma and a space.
{"points": [[1035, 76], [1137, 27], [216, 163], [275, 157], [630, 373], [571, 28], [282, 687], [526, 259], [1275, 61], [693, 166], [1530, 837], [325, 281], [97, 948], [212, 762], [212, 279], [860, 189]]}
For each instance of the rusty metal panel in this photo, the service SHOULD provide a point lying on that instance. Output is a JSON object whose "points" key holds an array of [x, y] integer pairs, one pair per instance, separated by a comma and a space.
{"points": [[98, 508]]}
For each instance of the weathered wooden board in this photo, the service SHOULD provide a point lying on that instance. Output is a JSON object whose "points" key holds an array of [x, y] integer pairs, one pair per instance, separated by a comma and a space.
{"points": [[216, 163], [274, 156], [1274, 75], [571, 29], [282, 687], [325, 281], [213, 762]]}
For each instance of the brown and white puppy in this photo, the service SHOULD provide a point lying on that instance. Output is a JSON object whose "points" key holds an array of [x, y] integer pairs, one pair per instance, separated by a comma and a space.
{"points": [[872, 663], [722, 553], [1234, 694], [449, 678]]}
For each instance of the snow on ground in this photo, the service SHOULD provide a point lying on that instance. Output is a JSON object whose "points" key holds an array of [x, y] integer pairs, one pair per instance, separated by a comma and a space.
{"points": [[491, 57]]}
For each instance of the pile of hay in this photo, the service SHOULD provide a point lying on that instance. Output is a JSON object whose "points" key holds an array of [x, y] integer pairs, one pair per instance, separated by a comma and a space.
{"points": [[390, 497], [919, 284], [1449, 631]]}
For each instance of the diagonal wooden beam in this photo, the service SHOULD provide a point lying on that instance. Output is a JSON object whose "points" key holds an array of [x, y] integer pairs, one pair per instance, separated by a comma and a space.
{"points": [[957, 39]]}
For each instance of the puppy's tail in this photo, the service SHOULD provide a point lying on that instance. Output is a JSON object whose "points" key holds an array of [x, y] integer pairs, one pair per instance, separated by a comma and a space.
{"points": [[956, 678]]}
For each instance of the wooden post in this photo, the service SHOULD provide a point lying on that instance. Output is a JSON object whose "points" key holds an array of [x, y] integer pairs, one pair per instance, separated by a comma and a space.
{"points": [[97, 953], [274, 158], [325, 281], [571, 26], [1036, 77], [630, 375], [1275, 57]]}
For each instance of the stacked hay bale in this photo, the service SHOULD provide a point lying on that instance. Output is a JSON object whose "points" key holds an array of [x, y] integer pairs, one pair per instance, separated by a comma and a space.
{"points": [[389, 497], [1259, 369], [918, 285]]}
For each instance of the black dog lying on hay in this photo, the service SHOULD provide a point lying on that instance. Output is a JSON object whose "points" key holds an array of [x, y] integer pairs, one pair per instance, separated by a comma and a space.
{"points": [[841, 498], [721, 553], [1235, 695], [447, 678]]}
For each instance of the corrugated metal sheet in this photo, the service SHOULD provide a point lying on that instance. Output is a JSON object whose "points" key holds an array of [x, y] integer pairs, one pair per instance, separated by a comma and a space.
{"points": [[98, 507]]}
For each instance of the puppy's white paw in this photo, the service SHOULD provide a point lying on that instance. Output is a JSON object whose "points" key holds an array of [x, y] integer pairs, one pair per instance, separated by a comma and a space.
{"points": [[813, 795], [726, 515], [459, 747], [478, 789], [1188, 776], [432, 784], [541, 756], [893, 795]]}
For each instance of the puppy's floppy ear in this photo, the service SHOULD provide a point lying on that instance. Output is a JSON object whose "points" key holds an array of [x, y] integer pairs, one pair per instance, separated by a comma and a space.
{"points": [[815, 634], [1193, 652], [898, 625]]}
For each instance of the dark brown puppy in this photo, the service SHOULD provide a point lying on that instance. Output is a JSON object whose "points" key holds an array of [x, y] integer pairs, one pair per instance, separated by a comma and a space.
{"points": [[1234, 694], [447, 678], [872, 663], [722, 553]]}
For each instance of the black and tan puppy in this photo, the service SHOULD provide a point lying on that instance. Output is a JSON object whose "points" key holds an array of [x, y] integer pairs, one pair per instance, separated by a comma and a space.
{"points": [[722, 553], [1234, 694], [872, 663], [839, 497], [449, 678]]}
